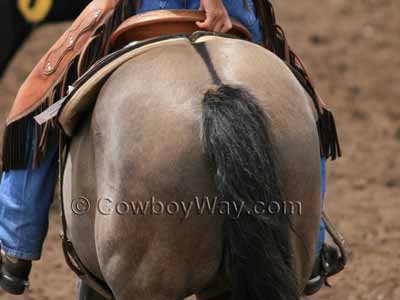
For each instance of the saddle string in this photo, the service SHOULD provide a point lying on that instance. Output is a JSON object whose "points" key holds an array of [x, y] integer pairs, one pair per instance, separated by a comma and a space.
{"points": [[275, 40], [266, 15]]}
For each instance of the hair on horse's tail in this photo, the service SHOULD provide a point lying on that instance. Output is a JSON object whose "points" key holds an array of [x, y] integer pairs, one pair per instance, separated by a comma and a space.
{"points": [[257, 251]]}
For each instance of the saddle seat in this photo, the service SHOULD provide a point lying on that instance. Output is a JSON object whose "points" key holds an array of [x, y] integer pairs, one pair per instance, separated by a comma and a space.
{"points": [[162, 23]]}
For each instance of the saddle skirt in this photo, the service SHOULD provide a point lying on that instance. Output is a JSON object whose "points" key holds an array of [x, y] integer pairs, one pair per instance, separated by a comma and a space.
{"points": [[84, 92]]}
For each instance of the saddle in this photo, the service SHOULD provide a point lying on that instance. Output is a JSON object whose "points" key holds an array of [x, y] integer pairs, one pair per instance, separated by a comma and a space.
{"points": [[164, 23], [93, 35]]}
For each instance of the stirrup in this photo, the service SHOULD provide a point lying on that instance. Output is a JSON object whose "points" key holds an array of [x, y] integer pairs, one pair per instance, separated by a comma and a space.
{"points": [[342, 253], [330, 261]]}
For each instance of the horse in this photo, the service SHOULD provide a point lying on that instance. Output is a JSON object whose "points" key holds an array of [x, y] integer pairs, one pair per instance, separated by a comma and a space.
{"points": [[225, 119]]}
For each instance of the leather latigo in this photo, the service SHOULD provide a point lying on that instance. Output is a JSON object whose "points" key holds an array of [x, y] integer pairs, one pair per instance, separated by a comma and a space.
{"points": [[51, 68]]}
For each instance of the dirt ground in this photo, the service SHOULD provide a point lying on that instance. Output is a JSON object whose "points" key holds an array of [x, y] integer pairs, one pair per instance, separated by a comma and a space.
{"points": [[352, 49]]}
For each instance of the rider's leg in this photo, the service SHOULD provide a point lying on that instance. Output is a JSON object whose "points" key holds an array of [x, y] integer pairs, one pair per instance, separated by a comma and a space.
{"points": [[25, 198]]}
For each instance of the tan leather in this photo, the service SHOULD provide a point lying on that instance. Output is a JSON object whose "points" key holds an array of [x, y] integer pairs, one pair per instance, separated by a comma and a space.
{"points": [[164, 22], [53, 65]]}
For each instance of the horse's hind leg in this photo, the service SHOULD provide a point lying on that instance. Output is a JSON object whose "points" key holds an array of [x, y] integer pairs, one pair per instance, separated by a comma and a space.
{"points": [[87, 293]]}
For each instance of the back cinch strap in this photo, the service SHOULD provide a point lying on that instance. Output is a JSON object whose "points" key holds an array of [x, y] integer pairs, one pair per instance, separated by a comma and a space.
{"points": [[71, 257]]}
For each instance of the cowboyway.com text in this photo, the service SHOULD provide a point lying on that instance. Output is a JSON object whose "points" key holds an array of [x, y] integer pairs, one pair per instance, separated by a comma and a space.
{"points": [[199, 205]]}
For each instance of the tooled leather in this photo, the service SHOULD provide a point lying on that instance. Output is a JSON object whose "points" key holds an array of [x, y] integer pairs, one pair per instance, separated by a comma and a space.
{"points": [[55, 56], [53, 65]]}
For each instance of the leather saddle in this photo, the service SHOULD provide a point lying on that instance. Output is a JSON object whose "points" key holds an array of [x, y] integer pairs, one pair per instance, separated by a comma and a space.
{"points": [[157, 28], [105, 26], [102, 28], [163, 23]]}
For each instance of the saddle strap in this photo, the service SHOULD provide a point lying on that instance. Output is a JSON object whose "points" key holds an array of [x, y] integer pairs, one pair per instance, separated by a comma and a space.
{"points": [[340, 242], [75, 264], [330, 261], [71, 257]]}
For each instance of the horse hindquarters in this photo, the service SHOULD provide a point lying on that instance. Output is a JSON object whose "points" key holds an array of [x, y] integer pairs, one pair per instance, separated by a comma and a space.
{"points": [[146, 143]]}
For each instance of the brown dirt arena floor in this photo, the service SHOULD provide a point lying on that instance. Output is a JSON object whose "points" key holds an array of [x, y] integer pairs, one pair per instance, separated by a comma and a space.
{"points": [[352, 49]]}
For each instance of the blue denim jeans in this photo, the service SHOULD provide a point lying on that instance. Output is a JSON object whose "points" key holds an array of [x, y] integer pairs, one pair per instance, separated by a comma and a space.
{"points": [[234, 7], [321, 238], [25, 199], [26, 195]]}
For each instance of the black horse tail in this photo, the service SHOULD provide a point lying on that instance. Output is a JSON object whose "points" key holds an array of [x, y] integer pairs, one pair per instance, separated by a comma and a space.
{"points": [[257, 251]]}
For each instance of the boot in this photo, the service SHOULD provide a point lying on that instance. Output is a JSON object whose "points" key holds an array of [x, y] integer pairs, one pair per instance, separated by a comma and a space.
{"points": [[14, 274]]}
